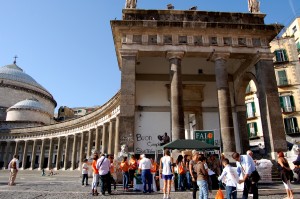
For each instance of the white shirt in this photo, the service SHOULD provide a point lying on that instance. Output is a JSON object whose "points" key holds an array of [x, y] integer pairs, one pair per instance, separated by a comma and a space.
{"points": [[105, 166], [14, 160], [145, 163], [230, 175], [85, 168], [166, 165]]}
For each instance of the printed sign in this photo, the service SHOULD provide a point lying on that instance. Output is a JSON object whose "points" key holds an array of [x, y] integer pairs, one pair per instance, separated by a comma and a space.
{"points": [[205, 136]]}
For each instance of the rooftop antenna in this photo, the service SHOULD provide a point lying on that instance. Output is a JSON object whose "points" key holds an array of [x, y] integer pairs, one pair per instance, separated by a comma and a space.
{"points": [[15, 57]]}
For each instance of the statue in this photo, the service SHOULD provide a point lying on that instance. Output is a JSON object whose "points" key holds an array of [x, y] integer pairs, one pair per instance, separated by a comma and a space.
{"points": [[130, 3], [253, 6]]}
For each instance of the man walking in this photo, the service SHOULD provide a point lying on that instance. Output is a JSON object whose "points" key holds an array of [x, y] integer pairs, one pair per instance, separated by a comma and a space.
{"points": [[246, 166], [103, 165], [144, 169], [13, 166]]}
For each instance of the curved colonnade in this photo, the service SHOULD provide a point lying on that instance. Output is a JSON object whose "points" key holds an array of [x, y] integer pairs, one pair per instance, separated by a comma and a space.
{"points": [[64, 145]]}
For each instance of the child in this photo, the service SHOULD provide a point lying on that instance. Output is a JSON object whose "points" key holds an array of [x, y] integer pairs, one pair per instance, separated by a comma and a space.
{"points": [[85, 170], [125, 168], [231, 179]]}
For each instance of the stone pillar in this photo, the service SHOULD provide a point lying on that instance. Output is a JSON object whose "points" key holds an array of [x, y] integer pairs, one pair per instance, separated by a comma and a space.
{"points": [[42, 155], [50, 154], [90, 142], [74, 153], [82, 147], [127, 98], [271, 117], [117, 138], [187, 125], [25, 150], [17, 148], [241, 114], [225, 110], [104, 138], [97, 139], [111, 137], [176, 95], [59, 151], [66, 153], [33, 155], [5, 157]]}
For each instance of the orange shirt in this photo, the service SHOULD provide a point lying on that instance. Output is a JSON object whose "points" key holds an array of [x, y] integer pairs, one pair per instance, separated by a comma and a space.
{"points": [[95, 170], [124, 166], [132, 164], [153, 167]]}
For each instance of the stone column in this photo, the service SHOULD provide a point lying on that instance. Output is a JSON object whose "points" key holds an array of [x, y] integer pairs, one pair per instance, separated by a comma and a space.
{"points": [[241, 114], [104, 138], [111, 137], [127, 98], [17, 148], [176, 95], [97, 139], [42, 155], [90, 142], [117, 138], [271, 117], [225, 110], [5, 157], [82, 147], [24, 161], [74, 153], [50, 154], [33, 155], [59, 151], [66, 153], [187, 125]]}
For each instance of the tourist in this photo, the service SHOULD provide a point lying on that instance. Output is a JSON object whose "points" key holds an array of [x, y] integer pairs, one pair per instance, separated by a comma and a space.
{"points": [[84, 171], [144, 170], [246, 166], [95, 174], [187, 159], [214, 164], [231, 179], [112, 171], [202, 178], [286, 174], [192, 169], [125, 168], [166, 172], [132, 168], [103, 165], [181, 170], [13, 166]]}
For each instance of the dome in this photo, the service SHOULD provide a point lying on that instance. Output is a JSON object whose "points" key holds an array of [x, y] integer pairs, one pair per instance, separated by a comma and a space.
{"points": [[32, 104], [15, 73]]}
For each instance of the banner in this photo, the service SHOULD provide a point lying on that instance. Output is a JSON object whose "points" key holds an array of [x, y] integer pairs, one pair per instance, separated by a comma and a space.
{"points": [[205, 136]]}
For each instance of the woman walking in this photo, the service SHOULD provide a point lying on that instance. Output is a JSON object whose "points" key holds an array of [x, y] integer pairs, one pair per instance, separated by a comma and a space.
{"points": [[181, 172], [285, 172], [202, 178], [192, 169], [166, 172], [125, 168], [95, 175]]}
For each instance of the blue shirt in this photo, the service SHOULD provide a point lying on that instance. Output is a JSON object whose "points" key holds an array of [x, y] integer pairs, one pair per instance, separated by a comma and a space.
{"points": [[246, 165]]}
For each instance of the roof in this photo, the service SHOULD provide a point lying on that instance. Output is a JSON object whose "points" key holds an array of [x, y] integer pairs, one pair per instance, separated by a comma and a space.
{"points": [[188, 144], [32, 104]]}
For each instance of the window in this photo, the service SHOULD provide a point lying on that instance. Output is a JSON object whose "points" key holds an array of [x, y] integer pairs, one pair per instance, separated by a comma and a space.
{"points": [[137, 39], [213, 41], [167, 39], [227, 41], [242, 41], [250, 110], [152, 39], [252, 129], [287, 103], [294, 29], [198, 40], [281, 55], [182, 39], [291, 125], [282, 79]]}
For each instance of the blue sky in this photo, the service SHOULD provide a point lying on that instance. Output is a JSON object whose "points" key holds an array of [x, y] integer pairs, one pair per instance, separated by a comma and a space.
{"points": [[67, 45]]}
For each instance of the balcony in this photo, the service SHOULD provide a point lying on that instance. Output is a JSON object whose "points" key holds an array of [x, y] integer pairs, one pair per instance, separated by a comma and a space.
{"points": [[288, 109], [284, 82], [252, 115], [292, 131]]}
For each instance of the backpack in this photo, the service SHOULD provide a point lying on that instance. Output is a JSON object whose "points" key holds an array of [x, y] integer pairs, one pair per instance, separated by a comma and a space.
{"points": [[181, 169]]}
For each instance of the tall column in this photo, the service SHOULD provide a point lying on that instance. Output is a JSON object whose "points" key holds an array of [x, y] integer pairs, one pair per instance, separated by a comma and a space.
{"points": [[74, 152], [16, 152], [104, 138], [24, 161], [5, 157], [242, 123], [187, 125], [127, 99], [225, 110], [97, 139], [90, 141], [42, 155], [66, 153], [111, 137], [176, 95], [59, 151], [82, 147], [271, 118], [33, 155], [117, 138], [50, 154]]}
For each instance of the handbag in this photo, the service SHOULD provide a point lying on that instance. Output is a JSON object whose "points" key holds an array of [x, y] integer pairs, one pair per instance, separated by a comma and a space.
{"points": [[255, 177], [181, 169]]}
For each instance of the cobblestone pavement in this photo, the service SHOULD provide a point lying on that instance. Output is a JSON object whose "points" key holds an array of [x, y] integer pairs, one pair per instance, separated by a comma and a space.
{"points": [[30, 184]]}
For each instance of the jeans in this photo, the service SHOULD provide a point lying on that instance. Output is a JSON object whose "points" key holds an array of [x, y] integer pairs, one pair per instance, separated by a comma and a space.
{"points": [[203, 189], [188, 180], [231, 192], [249, 187], [85, 177], [95, 181], [147, 179], [105, 183], [125, 180], [181, 181]]}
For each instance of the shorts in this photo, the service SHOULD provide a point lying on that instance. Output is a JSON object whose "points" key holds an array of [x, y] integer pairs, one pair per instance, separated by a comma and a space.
{"points": [[167, 177]]}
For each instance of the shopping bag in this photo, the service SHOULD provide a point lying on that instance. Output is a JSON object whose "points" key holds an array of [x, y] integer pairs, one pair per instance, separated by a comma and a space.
{"points": [[219, 194]]}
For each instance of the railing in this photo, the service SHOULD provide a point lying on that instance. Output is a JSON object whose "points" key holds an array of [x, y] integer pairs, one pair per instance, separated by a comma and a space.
{"points": [[288, 109]]}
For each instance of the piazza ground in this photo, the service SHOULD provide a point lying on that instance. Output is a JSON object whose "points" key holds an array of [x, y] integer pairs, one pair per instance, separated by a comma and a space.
{"points": [[66, 184]]}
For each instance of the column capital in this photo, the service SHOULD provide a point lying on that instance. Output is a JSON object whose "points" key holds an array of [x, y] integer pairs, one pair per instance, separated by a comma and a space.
{"points": [[175, 54], [128, 53], [219, 56], [265, 56]]}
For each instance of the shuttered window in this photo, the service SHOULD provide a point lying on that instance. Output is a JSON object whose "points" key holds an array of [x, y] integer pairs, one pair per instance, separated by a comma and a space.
{"points": [[281, 55], [282, 79], [252, 129], [250, 110], [287, 103], [291, 125]]}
